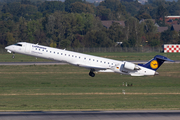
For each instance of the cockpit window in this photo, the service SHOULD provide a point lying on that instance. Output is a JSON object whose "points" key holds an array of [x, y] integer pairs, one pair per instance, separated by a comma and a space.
{"points": [[18, 44]]}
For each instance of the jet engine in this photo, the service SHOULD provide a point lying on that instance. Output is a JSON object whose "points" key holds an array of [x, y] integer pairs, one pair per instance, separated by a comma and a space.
{"points": [[130, 66]]}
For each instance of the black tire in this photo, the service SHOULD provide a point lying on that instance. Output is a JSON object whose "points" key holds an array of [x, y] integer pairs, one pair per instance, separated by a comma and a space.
{"points": [[91, 74]]}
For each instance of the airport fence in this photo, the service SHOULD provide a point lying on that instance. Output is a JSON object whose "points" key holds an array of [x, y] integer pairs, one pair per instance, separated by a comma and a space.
{"points": [[109, 49], [117, 49]]}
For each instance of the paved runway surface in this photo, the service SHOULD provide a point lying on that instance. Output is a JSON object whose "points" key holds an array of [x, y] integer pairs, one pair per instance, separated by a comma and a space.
{"points": [[92, 115]]}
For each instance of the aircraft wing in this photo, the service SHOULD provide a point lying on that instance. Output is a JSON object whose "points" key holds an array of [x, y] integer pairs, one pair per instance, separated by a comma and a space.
{"points": [[93, 68]]}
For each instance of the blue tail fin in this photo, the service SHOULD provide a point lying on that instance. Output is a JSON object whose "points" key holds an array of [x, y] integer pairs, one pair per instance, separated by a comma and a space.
{"points": [[156, 62]]}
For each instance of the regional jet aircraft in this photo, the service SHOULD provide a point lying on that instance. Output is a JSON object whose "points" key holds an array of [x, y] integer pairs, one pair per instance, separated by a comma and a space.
{"points": [[93, 63]]}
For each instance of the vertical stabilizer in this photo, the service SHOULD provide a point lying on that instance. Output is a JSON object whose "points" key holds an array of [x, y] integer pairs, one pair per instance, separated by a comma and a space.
{"points": [[156, 62]]}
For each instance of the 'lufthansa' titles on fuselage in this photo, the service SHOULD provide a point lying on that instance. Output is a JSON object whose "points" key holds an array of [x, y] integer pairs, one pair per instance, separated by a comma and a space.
{"points": [[36, 46]]}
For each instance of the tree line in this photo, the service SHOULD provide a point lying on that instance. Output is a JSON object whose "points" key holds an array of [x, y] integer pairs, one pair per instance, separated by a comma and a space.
{"points": [[77, 23]]}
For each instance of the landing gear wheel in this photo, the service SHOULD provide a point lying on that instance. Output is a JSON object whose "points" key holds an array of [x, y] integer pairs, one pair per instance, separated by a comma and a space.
{"points": [[91, 74]]}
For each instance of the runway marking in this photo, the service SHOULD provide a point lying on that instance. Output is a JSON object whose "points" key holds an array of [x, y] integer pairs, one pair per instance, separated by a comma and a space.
{"points": [[91, 94]]}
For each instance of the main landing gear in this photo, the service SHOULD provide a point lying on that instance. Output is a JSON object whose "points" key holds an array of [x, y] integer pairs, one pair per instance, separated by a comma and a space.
{"points": [[91, 74]]}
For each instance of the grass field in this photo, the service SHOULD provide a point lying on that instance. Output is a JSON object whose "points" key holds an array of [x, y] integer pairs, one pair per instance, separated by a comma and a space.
{"points": [[118, 56], [66, 87]]}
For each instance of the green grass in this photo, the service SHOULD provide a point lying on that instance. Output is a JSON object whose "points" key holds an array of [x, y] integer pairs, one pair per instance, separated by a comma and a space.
{"points": [[118, 56], [89, 102], [136, 56], [19, 86]]}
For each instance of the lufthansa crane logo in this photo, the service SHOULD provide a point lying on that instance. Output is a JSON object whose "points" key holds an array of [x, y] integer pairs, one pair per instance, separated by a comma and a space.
{"points": [[154, 64]]}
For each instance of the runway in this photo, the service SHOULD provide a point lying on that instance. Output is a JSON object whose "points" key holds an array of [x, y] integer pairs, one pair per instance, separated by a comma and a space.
{"points": [[92, 115]]}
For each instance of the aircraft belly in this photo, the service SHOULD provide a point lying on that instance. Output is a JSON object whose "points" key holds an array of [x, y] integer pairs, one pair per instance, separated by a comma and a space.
{"points": [[105, 71]]}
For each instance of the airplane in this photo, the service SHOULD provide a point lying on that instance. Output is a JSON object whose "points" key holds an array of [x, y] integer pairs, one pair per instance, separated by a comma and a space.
{"points": [[93, 63]]}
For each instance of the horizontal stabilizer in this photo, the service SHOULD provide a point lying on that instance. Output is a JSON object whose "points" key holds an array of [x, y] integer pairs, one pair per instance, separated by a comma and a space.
{"points": [[164, 58]]}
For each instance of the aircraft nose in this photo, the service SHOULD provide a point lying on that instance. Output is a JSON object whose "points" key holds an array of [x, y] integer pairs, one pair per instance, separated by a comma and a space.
{"points": [[7, 47]]}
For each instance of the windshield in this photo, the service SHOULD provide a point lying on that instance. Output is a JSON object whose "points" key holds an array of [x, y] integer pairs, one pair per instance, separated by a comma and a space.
{"points": [[18, 44]]}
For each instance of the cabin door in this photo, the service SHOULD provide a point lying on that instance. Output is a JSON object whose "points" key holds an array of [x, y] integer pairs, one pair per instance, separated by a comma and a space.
{"points": [[28, 48]]}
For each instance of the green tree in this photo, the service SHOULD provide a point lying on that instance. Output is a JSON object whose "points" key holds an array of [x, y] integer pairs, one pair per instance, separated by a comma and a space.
{"points": [[132, 8], [22, 35], [68, 3], [144, 12], [161, 13], [97, 39], [79, 7], [103, 13], [149, 26], [17, 10], [32, 28], [49, 27], [10, 39], [65, 44], [150, 30], [115, 32], [120, 12], [166, 36], [111, 4], [53, 44], [48, 7], [133, 31]]}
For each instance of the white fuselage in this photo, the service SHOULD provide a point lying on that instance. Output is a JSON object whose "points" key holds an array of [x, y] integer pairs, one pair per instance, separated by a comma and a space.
{"points": [[98, 64]]}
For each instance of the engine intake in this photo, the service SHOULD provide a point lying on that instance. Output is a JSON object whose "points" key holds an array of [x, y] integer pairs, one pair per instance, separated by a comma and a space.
{"points": [[130, 66]]}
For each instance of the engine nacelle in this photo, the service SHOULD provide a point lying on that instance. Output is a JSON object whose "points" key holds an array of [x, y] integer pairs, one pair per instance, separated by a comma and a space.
{"points": [[130, 66]]}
